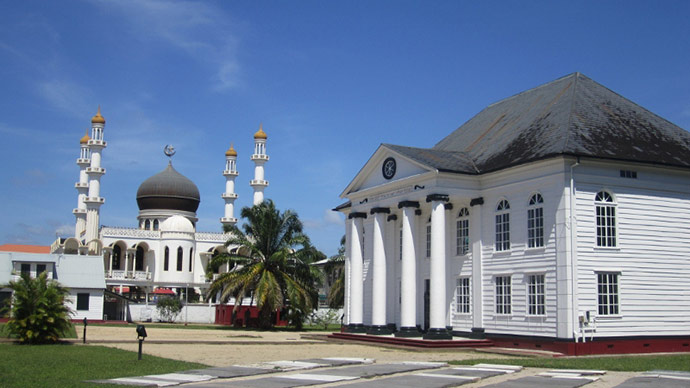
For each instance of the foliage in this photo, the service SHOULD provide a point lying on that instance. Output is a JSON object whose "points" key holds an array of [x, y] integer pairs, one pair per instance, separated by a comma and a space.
{"points": [[637, 363], [271, 264], [326, 318], [29, 366], [169, 308], [336, 268], [39, 313]]}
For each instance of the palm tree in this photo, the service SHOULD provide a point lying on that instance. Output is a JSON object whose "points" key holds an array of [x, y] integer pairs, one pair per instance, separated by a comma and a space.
{"points": [[271, 264], [335, 268], [39, 314]]}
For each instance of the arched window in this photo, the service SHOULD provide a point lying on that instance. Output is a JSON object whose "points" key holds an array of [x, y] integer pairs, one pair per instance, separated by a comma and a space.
{"points": [[147, 225], [191, 258], [155, 224], [535, 221], [139, 259], [117, 257], [503, 226], [606, 219], [179, 258], [166, 260], [462, 232]]}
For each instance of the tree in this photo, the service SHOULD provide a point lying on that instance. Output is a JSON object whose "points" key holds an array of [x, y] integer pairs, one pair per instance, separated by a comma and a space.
{"points": [[271, 264], [39, 314], [335, 268], [168, 308]]}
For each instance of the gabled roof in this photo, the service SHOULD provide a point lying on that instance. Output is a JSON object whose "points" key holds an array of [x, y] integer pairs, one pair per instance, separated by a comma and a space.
{"points": [[572, 115]]}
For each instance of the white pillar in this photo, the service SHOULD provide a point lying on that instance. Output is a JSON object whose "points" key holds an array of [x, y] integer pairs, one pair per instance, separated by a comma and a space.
{"points": [[259, 158], [356, 270], [408, 272], [378, 297], [348, 275], [437, 308], [230, 196]]}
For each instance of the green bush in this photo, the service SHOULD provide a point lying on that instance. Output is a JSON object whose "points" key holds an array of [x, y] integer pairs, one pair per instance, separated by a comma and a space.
{"points": [[168, 308], [39, 314]]}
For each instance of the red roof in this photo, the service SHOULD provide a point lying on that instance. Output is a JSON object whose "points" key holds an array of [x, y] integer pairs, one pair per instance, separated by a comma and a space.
{"points": [[24, 248], [163, 291]]}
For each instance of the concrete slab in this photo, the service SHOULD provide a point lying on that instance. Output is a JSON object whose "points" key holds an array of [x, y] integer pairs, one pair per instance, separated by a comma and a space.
{"points": [[542, 382], [232, 371], [374, 370], [335, 361], [653, 381], [414, 381], [469, 372]]}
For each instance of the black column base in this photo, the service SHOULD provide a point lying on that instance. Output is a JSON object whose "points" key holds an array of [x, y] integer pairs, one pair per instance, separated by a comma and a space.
{"points": [[378, 330], [477, 333], [356, 328], [392, 327], [437, 334], [406, 332]]}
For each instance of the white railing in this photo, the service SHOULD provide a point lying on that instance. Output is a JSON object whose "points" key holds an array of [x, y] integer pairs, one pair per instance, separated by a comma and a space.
{"points": [[109, 231], [135, 275], [213, 237]]}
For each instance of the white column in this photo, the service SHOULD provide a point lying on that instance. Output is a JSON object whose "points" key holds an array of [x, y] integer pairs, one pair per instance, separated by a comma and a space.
{"points": [[378, 297], [348, 275], [437, 308], [356, 270], [408, 272]]}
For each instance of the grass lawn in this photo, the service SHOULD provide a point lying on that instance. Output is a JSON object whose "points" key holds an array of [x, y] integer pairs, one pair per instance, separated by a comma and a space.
{"points": [[70, 333], [676, 362], [69, 365]]}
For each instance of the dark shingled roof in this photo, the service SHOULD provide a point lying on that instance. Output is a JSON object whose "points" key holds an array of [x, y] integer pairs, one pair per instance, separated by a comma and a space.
{"points": [[572, 115]]}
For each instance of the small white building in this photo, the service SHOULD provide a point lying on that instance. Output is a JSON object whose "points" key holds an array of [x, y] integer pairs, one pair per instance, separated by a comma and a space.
{"points": [[82, 274], [561, 215]]}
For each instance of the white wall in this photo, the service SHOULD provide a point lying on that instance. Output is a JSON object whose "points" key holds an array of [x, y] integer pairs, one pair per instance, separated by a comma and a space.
{"points": [[95, 310], [192, 313]]}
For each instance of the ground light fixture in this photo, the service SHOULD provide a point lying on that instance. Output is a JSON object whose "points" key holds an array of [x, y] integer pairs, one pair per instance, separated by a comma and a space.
{"points": [[84, 336], [141, 334]]}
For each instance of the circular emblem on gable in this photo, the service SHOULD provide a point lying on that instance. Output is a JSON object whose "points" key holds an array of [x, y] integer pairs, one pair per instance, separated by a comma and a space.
{"points": [[388, 168]]}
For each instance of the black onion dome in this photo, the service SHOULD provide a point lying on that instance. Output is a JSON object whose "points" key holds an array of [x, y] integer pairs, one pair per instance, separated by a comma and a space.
{"points": [[168, 190]]}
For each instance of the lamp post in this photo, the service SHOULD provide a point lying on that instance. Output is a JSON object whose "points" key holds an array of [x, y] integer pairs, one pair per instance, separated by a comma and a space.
{"points": [[141, 334], [84, 336]]}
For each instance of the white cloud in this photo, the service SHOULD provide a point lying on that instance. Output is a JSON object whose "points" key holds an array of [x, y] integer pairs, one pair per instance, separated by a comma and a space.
{"points": [[67, 96], [333, 217], [199, 29]]}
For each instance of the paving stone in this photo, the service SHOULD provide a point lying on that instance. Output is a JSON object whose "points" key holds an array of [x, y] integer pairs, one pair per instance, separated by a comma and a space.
{"points": [[425, 380], [545, 382], [232, 371], [657, 382], [373, 370], [471, 371]]}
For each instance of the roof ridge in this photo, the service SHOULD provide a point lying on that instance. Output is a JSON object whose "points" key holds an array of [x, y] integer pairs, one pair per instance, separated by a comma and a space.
{"points": [[575, 74], [570, 112]]}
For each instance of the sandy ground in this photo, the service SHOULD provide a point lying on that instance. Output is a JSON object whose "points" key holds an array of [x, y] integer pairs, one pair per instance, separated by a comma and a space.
{"points": [[224, 348]]}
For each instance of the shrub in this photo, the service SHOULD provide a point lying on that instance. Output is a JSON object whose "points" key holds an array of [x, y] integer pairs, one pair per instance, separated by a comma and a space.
{"points": [[39, 314], [168, 308]]}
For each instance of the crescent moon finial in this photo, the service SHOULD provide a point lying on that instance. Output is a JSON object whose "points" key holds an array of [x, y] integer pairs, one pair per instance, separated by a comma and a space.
{"points": [[169, 150]]}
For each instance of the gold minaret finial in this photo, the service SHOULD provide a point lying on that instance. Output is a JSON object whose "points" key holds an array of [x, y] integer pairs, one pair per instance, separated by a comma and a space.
{"points": [[98, 118], [231, 151], [260, 134]]}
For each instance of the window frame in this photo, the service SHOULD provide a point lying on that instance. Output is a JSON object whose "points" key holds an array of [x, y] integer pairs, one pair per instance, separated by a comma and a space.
{"points": [[536, 297], [166, 259], [502, 226], [462, 230], [611, 298], [83, 300], [180, 258], [605, 220], [503, 295], [463, 296], [535, 222]]}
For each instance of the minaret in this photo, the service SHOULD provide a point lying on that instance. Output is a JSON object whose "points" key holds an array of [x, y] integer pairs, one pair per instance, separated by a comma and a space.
{"points": [[259, 158], [230, 173], [94, 200], [82, 187]]}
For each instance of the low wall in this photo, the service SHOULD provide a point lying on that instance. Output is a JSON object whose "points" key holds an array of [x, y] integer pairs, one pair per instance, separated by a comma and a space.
{"points": [[192, 313]]}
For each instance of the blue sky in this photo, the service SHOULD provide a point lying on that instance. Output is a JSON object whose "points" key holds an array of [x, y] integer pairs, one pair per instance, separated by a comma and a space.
{"points": [[329, 80]]}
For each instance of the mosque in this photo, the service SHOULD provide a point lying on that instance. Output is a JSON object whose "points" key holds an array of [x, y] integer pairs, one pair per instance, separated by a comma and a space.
{"points": [[165, 253]]}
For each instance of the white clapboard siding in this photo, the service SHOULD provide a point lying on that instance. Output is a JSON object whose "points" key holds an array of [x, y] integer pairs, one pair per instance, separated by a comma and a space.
{"points": [[652, 257], [520, 261]]}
